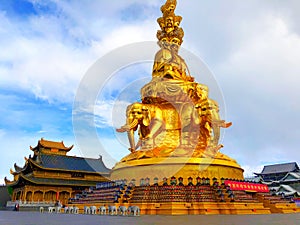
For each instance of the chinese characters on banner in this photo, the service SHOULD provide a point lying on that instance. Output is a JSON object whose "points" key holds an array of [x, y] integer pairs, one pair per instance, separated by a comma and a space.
{"points": [[245, 186]]}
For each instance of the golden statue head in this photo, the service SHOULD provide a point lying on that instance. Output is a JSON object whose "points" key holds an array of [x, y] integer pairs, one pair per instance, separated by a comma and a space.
{"points": [[170, 23], [169, 7]]}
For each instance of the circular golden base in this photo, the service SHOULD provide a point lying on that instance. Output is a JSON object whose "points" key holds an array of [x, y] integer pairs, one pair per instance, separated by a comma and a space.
{"points": [[185, 167]]}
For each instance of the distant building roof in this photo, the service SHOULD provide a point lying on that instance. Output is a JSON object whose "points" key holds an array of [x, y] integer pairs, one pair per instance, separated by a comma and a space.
{"points": [[286, 190], [288, 178], [72, 163], [291, 176], [279, 168], [18, 168], [52, 145]]}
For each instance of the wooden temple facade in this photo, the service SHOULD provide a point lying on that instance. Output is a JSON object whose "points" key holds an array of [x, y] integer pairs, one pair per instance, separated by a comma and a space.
{"points": [[50, 175]]}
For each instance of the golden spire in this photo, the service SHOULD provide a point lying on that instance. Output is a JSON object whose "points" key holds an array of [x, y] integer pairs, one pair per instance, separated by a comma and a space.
{"points": [[169, 23]]}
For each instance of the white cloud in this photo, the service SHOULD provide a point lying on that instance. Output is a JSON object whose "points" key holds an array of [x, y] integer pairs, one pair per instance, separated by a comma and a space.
{"points": [[250, 170], [125, 35], [102, 112], [110, 114], [267, 60], [48, 61], [266, 67], [45, 67], [260, 82], [106, 114], [253, 47]]}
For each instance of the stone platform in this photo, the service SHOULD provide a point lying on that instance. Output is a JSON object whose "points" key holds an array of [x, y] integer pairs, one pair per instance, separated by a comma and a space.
{"points": [[221, 166], [204, 208], [25, 218]]}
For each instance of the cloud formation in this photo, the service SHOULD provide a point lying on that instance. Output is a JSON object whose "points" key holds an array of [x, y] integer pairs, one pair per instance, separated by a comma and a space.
{"points": [[251, 46]]}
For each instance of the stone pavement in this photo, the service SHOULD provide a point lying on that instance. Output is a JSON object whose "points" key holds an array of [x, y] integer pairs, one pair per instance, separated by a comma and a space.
{"points": [[36, 218]]}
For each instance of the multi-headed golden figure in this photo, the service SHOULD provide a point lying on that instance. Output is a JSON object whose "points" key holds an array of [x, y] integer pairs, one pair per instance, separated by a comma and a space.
{"points": [[176, 118]]}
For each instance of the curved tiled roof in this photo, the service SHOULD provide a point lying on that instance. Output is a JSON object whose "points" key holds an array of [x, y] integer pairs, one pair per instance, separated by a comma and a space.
{"points": [[8, 182], [72, 163], [52, 144], [279, 168], [291, 176], [286, 189], [18, 168]]}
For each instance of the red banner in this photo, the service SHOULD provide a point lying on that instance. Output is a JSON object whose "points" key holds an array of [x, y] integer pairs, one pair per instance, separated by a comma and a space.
{"points": [[297, 200], [245, 186]]}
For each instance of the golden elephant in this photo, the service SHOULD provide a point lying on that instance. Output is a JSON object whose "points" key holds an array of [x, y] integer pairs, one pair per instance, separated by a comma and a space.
{"points": [[210, 122], [201, 123], [147, 118]]}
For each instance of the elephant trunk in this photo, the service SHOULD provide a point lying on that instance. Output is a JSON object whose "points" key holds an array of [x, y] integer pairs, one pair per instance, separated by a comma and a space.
{"points": [[128, 127], [130, 134]]}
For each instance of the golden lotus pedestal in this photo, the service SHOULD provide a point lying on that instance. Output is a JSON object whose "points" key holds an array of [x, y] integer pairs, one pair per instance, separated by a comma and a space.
{"points": [[221, 166]]}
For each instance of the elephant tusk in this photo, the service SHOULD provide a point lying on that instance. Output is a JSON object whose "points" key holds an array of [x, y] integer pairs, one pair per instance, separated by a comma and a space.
{"points": [[121, 130], [227, 125], [133, 124], [127, 127], [221, 123]]}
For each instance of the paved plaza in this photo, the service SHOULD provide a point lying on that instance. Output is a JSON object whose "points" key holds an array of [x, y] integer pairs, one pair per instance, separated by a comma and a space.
{"points": [[35, 218]]}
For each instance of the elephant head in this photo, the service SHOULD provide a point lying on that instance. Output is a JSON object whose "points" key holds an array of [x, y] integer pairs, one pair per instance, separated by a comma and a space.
{"points": [[146, 117], [135, 116], [210, 120]]}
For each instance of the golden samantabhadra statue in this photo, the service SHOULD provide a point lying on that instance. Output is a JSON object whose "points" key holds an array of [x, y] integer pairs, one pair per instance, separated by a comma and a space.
{"points": [[176, 117]]}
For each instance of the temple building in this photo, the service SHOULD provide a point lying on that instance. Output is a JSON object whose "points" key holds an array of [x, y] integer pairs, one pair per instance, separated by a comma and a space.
{"points": [[277, 172], [51, 175], [282, 179]]}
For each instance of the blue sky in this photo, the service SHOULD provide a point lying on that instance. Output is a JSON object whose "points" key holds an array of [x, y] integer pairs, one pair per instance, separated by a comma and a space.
{"points": [[252, 48]]}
